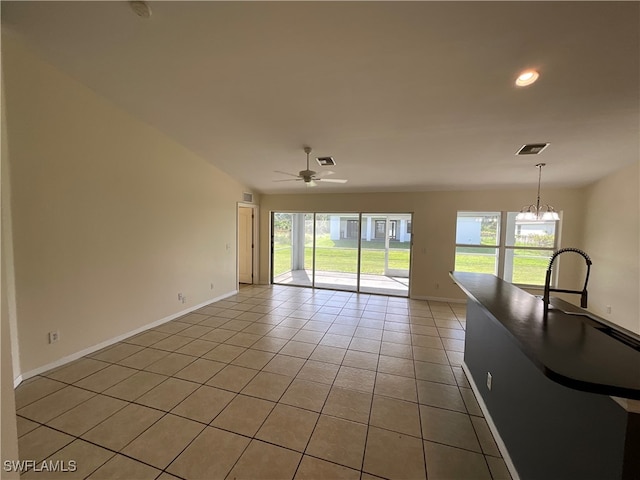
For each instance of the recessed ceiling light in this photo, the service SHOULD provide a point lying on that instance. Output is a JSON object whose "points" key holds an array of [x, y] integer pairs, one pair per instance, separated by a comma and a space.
{"points": [[527, 78], [140, 8]]}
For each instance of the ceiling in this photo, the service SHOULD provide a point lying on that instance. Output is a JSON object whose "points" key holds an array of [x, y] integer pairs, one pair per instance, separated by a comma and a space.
{"points": [[406, 96]]}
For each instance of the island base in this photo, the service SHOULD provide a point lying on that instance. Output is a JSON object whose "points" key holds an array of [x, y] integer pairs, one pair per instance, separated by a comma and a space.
{"points": [[549, 430]]}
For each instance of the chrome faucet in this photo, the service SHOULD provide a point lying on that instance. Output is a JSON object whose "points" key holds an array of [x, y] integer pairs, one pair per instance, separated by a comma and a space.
{"points": [[547, 283]]}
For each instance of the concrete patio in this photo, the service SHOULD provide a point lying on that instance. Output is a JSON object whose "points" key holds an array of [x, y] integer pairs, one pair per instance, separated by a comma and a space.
{"points": [[380, 284]]}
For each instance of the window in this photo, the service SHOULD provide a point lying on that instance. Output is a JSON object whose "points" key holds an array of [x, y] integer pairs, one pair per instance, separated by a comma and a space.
{"points": [[381, 226], [409, 227], [517, 251], [528, 249], [477, 238]]}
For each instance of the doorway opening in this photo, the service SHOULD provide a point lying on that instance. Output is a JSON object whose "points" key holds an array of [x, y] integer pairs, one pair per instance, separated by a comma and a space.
{"points": [[359, 252]]}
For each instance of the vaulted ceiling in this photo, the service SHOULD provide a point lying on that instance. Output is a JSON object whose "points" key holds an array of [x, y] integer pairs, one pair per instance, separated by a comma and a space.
{"points": [[404, 95]]}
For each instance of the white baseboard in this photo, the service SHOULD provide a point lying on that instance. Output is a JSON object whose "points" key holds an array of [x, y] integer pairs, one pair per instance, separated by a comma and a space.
{"points": [[438, 299], [492, 426], [111, 341]]}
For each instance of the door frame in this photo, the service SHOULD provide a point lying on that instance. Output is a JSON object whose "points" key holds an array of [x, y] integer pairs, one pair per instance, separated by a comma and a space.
{"points": [[255, 227]]}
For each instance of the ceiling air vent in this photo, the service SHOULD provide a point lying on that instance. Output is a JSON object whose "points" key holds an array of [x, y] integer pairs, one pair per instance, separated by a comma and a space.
{"points": [[247, 197], [326, 161], [532, 148]]}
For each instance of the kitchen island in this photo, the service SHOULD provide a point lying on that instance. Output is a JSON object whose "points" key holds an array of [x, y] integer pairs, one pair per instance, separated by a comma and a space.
{"points": [[561, 389]]}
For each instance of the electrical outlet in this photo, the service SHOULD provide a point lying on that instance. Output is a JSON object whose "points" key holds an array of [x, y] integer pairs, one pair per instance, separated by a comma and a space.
{"points": [[437, 285], [608, 308], [180, 297], [54, 336], [489, 380], [184, 299], [212, 286]]}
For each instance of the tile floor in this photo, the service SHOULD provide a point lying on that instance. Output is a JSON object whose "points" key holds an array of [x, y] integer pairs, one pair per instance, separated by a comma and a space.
{"points": [[275, 382]]}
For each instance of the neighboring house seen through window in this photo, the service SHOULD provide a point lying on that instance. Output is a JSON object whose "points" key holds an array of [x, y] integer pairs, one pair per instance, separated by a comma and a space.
{"points": [[514, 250]]}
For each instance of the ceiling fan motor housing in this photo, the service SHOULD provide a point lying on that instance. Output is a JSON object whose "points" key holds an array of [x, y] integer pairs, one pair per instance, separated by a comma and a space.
{"points": [[309, 176]]}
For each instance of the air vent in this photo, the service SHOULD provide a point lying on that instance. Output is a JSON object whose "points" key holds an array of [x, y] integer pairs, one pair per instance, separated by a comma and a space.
{"points": [[247, 197], [326, 161], [532, 148]]}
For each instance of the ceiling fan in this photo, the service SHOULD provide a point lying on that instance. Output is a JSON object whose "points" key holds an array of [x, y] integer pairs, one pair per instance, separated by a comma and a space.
{"points": [[310, 177]]}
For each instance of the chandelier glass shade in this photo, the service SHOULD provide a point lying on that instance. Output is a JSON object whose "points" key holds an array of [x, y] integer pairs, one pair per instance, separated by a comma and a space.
{"points": [[538, 212]]}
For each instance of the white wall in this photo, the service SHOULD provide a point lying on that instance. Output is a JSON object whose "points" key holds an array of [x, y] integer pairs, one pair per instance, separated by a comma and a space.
{"points": [[9, 436], [433, 228], [601, 219], [111, 218], [612, 240]]}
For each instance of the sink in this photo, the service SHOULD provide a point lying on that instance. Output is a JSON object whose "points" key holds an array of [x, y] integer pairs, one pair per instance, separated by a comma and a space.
{"points": [[607, 329], [628, 338]]}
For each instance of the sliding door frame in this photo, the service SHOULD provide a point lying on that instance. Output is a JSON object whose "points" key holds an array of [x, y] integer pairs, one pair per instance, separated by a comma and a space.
{"points": [[359, 258], [359, 252], [313, 261]]}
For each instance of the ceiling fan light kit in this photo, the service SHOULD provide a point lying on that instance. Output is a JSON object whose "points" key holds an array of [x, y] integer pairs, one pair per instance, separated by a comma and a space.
{"points": [[310, 177]]}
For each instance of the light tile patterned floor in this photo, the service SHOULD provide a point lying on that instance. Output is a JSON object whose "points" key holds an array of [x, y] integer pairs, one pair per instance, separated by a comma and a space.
{"points": [[275, 382]]}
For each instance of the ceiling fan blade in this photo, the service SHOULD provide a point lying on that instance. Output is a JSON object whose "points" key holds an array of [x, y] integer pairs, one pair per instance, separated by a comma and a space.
{"points": [[288, 180], [285, 173], [332, 180]]}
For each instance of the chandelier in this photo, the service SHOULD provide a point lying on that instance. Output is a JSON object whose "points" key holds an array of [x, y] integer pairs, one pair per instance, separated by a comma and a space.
{"points": [[538, 212]]}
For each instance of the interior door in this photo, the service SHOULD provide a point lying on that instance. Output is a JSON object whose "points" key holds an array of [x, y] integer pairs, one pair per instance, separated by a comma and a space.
{"points": [[245, 245]]}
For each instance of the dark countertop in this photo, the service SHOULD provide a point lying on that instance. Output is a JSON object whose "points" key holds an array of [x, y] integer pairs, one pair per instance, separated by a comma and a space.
{"points": [[573, 350]]}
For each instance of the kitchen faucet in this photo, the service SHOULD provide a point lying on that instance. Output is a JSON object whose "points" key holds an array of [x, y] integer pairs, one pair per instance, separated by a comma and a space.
{"points": [[547, 283]]}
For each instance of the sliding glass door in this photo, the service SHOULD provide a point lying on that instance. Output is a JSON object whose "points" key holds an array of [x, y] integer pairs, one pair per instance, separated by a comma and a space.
{"points": [[359, 252], [385, 253], [292, 248], [336, 251]]}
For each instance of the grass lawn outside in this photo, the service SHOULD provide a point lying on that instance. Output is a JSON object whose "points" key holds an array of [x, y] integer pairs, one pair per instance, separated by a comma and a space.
{"points": [[529, 266], [344, 260], [281, 260], [528, 269], [325, 241]]}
